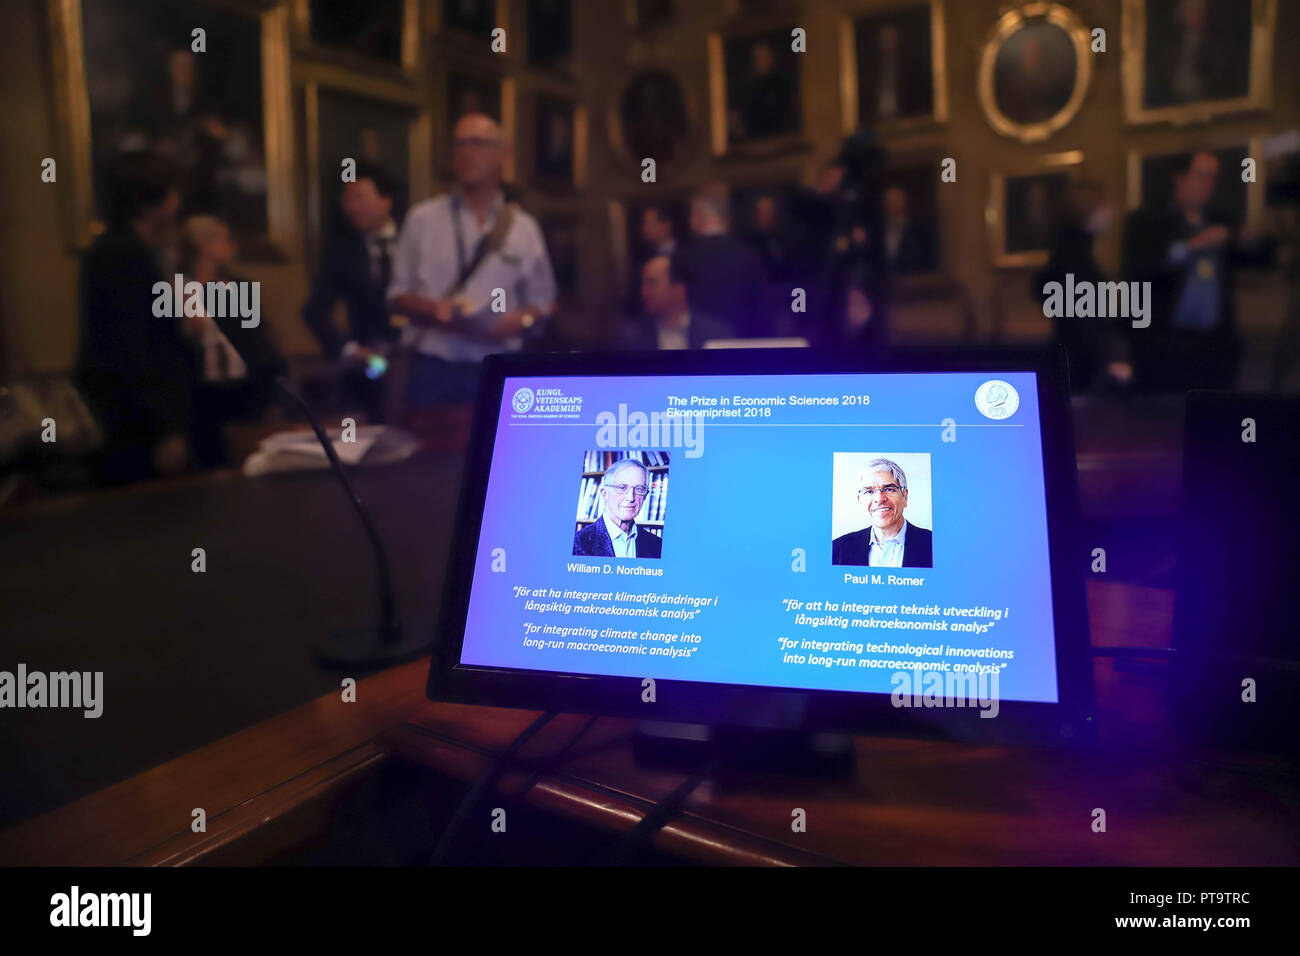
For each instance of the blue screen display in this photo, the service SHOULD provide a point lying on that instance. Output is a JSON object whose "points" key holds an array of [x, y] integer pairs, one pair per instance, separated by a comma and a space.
{"points": [[820, 532]]}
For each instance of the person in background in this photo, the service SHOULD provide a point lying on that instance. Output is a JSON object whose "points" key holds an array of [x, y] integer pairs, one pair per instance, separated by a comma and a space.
{"points": [[907, 242], [859, 318], [668, 322], [1096, 347], [452, 253], [356, 267], [237, 365], [657, 236], [724, 275], [770, 241], [813, 217], [657, 231], [136, 370], [1188, 252]]}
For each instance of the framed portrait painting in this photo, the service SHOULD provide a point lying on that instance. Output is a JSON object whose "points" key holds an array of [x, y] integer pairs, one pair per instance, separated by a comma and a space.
{"points": [[894, 68], [1191, 60], [755, 91], [559, 142], [1034, 71], [1024, 207], [652, 116], [139, 75], [383, 32]]}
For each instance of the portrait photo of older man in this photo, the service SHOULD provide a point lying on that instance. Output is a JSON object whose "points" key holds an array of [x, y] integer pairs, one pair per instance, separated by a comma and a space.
{"points": [[880, 498], [620, 495]]}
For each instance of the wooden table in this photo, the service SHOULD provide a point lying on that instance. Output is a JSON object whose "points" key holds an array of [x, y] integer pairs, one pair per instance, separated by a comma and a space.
{"points": [[272, 786]]}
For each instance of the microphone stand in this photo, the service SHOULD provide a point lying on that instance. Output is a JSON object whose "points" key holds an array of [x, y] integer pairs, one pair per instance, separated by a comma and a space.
{"points": [[386, 644]]}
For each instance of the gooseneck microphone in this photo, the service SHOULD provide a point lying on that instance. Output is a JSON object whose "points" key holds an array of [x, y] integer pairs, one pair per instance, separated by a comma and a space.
{"points": [[385, 644]]}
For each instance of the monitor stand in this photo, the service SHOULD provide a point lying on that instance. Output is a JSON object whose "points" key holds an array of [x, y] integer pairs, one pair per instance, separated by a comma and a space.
{"points": [[746, 752]]}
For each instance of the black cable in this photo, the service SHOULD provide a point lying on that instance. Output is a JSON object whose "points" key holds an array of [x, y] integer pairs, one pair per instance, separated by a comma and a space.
{"points": [[555, 759], [487, 779], [658, 815], [389, 629]]}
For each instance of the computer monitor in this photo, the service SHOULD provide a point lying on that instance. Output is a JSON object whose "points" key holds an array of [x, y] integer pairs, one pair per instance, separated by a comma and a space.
{"points": [[771, 538]]}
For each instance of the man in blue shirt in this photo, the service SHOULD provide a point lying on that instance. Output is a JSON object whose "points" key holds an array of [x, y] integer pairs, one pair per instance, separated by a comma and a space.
{"points": [[1188, 252], [471, 273]]}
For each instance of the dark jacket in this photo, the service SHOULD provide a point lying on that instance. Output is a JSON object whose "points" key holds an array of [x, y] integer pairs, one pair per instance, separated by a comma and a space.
{"points": [[593, 541], [1166, 357], [855, 548], [137, 371], [345, 273], [724, 278], [1148, 236], [1091, 343], [642, 334]]}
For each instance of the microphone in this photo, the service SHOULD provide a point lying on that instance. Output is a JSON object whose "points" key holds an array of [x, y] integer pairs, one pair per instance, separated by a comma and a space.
{"points": [[385, 644]]}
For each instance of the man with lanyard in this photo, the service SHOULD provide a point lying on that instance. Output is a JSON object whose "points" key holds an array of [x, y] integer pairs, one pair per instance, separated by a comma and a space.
{"points": [[471, 274]]}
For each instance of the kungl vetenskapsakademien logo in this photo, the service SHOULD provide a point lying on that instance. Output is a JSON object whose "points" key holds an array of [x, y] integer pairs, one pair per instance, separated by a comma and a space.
{"points": [[523, 400]]}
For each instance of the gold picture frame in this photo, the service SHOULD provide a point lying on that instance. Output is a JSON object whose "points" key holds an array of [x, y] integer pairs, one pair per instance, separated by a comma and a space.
{"points": [[578, 134], [1263, 15], [720, 108], [419, 177], [501, 18], [1006, 27], [849, 66], [995, 216], [72, 112], [409, 65], [1256, 192]]}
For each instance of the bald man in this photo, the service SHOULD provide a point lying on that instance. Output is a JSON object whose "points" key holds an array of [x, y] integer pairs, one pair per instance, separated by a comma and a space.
{"points": [[453, 254]]}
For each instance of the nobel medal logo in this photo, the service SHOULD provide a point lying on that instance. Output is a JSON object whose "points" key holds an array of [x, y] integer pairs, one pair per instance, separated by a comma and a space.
{"points": [[997, 399], [523, 400]]}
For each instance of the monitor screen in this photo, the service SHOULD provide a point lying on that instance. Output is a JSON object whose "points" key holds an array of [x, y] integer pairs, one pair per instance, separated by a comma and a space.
{"points": [[823, 532]]}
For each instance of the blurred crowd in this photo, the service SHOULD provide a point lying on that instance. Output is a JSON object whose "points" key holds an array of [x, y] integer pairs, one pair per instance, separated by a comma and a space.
{"points": [[426, 295]]}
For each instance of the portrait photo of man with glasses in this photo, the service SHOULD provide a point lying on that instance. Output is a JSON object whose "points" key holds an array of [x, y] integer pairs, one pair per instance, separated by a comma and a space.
{"points": [[879, 498], [610, 503]]}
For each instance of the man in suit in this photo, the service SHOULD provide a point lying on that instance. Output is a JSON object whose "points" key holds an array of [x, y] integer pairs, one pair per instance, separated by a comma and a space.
{"points": [[724, 275], [669, 322], [615, 534], [890, 541], [1189, 253], [356, 267]]}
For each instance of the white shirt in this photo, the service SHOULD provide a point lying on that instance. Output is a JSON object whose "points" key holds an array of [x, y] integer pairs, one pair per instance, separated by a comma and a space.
{"points": [[426, 263], [888, 553], [673, 338], [624, 541]]}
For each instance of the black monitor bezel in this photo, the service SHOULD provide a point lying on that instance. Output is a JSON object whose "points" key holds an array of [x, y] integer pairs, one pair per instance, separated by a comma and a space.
{"points": [[1068, 722]]}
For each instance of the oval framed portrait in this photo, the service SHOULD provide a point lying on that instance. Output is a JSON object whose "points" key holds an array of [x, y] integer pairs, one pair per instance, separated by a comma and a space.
{"points": [[653, 115], [1034, 71]]}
